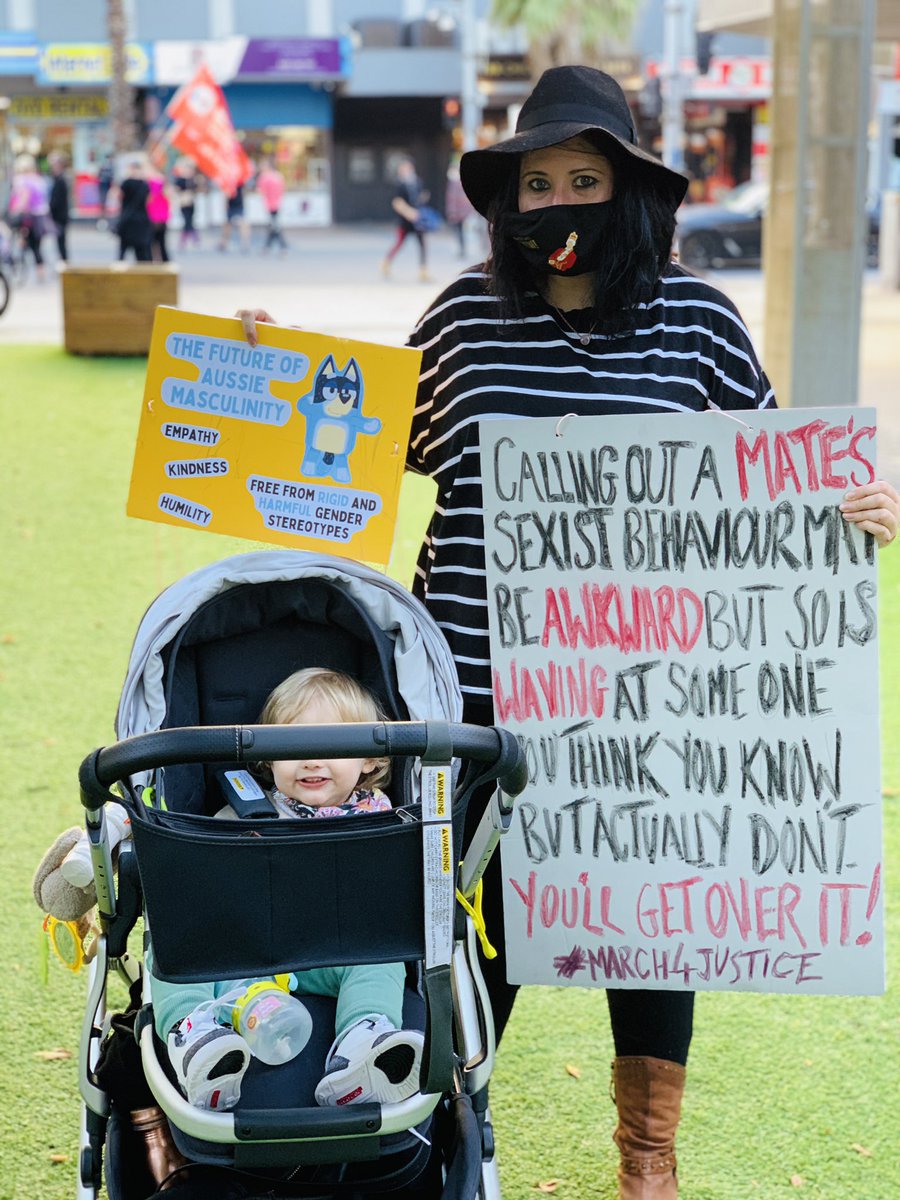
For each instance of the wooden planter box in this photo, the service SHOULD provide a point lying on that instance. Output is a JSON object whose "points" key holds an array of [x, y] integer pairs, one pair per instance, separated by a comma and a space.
{"points": [[108, 308]]}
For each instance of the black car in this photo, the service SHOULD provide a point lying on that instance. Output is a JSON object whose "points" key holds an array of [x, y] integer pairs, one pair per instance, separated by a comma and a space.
{"points": [[730, 233]]}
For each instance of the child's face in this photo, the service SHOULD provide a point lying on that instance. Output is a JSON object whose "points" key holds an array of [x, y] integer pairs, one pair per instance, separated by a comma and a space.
{"points": [[319, 782]]}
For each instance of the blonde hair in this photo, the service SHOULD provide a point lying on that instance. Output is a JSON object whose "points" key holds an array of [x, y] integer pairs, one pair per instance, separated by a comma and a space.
{"points": [[350, 701]]}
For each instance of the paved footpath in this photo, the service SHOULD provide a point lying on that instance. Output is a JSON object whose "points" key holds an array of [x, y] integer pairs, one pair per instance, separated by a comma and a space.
{"points": [[330, 280]]}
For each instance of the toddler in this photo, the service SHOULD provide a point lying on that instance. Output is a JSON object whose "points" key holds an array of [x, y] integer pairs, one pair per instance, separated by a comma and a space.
{"points": [[372, 1057]]}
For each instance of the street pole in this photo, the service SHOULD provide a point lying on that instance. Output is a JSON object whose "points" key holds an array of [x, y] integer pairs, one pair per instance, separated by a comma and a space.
{"points": [[672, 91], [470, 97], [814, 243]]}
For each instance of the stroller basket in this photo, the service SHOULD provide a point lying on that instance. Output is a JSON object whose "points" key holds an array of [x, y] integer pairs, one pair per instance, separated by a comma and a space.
{"points": [[198, 872]]}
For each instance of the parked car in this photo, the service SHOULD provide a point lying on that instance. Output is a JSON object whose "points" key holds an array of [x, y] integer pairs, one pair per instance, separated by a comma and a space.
{"points": [[729, 233]]}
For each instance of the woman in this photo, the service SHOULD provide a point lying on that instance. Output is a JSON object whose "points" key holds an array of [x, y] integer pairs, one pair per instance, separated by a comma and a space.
{"points": [[271, 185], [185, 180], [409, 197], [60, 213], [235, 219], [29, 208], [159, 210], [578, 309], [134, 227]]}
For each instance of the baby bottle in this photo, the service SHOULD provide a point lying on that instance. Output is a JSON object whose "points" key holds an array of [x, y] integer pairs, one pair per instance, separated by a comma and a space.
{"points": [[274, 1024], [76, 868]]}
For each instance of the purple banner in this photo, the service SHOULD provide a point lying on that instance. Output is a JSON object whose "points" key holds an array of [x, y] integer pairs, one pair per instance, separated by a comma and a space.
{"points": [[295, 58]]}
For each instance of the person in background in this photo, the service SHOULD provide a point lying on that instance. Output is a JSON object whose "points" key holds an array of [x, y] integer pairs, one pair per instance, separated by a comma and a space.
{"points": [[457, 208], [185, 180], [579, 309], [408, 198], [105, 176], [59, 202], [134, 221], [29, 208], [270, 185], [159, 209], [235, 220]]}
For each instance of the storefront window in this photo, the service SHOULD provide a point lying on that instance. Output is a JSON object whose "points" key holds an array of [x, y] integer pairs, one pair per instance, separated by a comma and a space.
{"points": [[299, 152], [361, 165], [74, 126]]}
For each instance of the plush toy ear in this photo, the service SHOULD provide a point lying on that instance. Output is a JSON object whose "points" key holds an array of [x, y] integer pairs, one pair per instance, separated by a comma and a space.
{"points": [[52, 893]]}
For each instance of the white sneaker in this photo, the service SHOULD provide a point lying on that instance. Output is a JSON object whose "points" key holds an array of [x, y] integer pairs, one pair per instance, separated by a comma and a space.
{"points": [[371, 1061], [209, 1060]]}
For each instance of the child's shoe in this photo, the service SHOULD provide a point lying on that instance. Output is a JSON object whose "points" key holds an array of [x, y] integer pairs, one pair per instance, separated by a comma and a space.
{"points": [[209, 1060], [371, 1061]]}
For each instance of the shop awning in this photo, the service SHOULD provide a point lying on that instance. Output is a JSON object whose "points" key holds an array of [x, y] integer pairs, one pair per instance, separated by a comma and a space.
{"points": [[754, 16]]}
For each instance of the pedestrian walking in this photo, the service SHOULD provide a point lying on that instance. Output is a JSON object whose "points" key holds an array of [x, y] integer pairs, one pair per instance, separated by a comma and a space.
{"points": [[59, 203], [134, 221], [408, 199], [270, 185], [457, 208], [159, 209], [186, 188], [105, 178], [235, 222], [29, 208]]}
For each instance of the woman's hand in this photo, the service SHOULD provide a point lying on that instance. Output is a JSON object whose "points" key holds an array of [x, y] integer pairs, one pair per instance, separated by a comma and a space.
{"points": [[249, 317], [874, 508]]}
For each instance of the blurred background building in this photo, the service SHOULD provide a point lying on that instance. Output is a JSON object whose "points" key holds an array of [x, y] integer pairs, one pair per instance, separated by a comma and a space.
{"points": [[334, 91]]}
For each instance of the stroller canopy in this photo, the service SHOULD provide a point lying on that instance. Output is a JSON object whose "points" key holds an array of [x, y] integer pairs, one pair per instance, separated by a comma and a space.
{"points": [[425, 672]]}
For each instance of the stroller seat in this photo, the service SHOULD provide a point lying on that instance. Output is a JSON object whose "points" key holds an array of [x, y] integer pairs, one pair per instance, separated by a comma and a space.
{"points": [[232, 898]]}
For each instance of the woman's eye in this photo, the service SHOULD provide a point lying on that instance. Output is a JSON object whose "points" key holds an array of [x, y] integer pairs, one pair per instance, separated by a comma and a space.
{"points": [[586, 181], [537, 185]]}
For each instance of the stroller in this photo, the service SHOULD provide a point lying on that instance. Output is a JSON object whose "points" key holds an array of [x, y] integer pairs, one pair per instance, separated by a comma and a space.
{"points": [[225, 898]]}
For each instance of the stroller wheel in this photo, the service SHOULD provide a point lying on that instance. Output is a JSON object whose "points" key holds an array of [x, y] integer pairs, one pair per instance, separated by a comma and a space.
{"points": [[90, 1174]]}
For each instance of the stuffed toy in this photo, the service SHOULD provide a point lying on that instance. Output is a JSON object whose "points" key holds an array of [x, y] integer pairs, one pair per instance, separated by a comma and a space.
{"points": [[54, 894]]}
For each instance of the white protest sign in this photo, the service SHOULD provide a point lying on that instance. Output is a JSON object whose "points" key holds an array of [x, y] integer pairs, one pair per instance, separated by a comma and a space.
{"points": [[683, 635]]}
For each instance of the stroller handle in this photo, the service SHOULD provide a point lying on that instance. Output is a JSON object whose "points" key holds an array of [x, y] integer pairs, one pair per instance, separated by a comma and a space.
{"points": [[432, 741]]}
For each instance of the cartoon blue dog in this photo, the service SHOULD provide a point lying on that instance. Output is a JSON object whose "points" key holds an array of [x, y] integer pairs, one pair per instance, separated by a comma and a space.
{"points": [[333, 412]]}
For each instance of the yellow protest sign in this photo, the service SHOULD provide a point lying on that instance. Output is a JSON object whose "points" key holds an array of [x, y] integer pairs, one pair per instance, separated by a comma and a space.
{"points": [[300, 440]]}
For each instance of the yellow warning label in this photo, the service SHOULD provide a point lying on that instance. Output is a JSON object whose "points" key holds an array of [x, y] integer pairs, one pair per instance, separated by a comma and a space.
{"points": [[446, 856], [440, 799]]}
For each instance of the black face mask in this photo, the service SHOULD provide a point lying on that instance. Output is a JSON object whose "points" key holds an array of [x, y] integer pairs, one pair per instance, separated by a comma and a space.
{"points": [[562, 239]]}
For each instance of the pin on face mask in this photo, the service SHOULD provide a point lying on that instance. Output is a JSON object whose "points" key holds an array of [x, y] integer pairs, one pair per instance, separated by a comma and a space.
{"points": [[562, 239]]}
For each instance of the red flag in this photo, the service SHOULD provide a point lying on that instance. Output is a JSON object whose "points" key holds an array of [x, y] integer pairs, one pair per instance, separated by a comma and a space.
{"points": [[203, 131]]}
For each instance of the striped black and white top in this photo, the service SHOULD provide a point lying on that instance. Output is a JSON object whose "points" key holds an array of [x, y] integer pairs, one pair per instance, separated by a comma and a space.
{"points": [[689, 351]]}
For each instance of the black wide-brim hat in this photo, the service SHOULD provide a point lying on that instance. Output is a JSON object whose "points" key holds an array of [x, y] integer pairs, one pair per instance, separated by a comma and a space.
{"points": [[566, 102]]}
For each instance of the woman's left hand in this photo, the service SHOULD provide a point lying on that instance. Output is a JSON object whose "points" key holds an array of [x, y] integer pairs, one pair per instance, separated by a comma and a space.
{"points": [[874, 508]]}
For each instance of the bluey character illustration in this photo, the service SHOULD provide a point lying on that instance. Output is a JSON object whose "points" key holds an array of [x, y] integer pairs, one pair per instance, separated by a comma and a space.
{"points": [[333, 412]]}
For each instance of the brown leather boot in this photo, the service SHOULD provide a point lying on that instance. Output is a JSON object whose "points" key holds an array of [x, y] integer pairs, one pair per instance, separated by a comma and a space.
{"points": [[647, 1093]]}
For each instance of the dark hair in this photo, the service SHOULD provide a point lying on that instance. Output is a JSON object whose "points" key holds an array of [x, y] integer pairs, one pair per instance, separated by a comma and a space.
{"points": [[638, 248]]}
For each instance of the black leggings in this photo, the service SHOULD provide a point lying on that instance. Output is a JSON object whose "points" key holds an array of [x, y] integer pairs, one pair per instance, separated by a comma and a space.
{"points": [[33, 242], [645, 1022]]}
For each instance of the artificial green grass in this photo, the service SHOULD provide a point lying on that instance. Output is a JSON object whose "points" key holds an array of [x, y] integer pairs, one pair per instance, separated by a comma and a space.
{"points": [[780, 1087]]}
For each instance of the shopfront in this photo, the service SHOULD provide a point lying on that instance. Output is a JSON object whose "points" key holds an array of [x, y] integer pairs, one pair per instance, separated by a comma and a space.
{"points": [[57, 103], [75, 124], [280, 98], [726, 122], [289, 124]]}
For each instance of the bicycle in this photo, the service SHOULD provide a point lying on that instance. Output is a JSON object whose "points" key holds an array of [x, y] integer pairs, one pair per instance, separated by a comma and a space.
{"points": [[7, 260], [14, 251]]}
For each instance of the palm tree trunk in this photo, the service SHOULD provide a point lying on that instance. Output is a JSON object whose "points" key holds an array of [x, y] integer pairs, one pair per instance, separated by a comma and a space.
{"points": [[121, 94]]}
